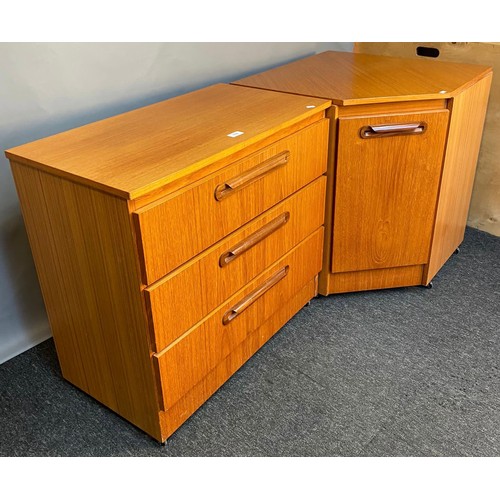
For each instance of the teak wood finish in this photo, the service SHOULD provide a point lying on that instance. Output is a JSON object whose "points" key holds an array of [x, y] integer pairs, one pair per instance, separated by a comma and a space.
{"points": [[349, 79], [225, 220], [202, 348], [170, 249], [86, 260], [209, 219], [172, 418], [426, 191], [467, 121], [376, 178], [209, 283], [138, 152], [485, 203]]}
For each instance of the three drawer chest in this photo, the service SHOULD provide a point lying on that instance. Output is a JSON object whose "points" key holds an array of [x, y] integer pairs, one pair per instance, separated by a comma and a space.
{"points": [[171, 242]]}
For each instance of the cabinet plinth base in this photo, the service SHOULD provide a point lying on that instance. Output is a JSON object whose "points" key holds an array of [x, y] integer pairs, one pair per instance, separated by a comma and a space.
{"points": [[372, 279]]}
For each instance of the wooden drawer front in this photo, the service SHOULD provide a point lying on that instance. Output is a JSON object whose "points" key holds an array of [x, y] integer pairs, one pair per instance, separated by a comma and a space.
{"points": [[201, 285], [386, 189], [188, 360], [178, 227]]}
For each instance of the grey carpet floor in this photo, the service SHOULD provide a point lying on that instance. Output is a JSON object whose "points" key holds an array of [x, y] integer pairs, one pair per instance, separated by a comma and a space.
{"points": [[405, 372]]}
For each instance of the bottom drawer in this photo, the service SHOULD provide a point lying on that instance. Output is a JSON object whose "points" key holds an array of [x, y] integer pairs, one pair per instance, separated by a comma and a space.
{"points": [[184, 363], [174, 417]]}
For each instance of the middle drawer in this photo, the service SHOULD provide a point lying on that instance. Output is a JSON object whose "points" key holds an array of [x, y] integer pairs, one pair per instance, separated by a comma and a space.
{"points": [[181, 299]]}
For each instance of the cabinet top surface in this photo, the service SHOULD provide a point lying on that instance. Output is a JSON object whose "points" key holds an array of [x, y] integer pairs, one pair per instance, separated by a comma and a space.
{"points": [[351, 78], [136, 152]]}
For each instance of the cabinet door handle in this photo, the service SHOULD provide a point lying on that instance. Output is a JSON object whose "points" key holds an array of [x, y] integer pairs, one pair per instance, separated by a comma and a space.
{"points": [[247, 301], [373, 131], [244, 245], [242, 180]]}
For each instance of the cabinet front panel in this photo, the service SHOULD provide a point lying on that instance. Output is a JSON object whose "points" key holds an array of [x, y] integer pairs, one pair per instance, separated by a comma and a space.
{"points": [[184, 224], [188, 360], [201, 285], [387, 180]]}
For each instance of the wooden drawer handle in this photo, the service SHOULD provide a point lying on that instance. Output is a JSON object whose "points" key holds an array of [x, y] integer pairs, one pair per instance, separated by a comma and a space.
{"points": [[373, 131], [230, 186], [247, 301], [259, 235]]}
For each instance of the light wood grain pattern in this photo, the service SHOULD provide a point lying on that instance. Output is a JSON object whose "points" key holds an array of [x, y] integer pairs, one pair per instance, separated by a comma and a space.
{"points": [[201, 285], [375, 279], [136, 152], [173, 418], [484, 211], [348, 78], [86, 261], [466, 127], [180, 226], [324, 275], [190, 178], [188, 360], [386, 190], [392, 108]]}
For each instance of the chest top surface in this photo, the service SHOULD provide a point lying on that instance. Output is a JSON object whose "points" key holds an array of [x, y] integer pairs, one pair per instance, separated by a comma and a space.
{"points": [[351, 78], [136, 152]]}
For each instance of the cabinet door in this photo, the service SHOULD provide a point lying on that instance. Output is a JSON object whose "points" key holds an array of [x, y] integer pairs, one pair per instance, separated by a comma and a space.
{"points": [[387, 180]]}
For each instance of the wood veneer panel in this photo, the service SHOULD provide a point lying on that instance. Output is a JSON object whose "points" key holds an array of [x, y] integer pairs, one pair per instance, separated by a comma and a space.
{"points": [[387, 108], [386, 191], [484, 211], [374, 279], [466, 127], [350, 78], [173, 418], [192, 177], [86, 262], [191, 357], [324, 276], [176, 228], [140, 151], [205, 284]]}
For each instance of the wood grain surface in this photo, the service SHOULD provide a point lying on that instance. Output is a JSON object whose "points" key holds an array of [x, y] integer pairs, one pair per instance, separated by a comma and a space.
{"points": [[87, 265], [466, 128], [137, 152], [484, 212], [178, 227], [189, 359], [324, 275], [350, 78], [375, 279], [202, 284], [386, 191], [173, 418]]}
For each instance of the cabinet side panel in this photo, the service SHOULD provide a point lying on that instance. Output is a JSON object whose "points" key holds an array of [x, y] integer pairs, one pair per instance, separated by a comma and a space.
{"points": [[325, 276], [464, 138], [85, 258]]}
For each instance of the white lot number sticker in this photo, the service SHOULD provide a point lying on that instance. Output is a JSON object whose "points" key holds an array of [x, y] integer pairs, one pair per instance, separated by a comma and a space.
{"points": [[236, 133]]}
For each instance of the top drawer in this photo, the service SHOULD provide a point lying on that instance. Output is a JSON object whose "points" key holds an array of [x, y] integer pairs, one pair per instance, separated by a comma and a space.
{"points": [[179, 226]]}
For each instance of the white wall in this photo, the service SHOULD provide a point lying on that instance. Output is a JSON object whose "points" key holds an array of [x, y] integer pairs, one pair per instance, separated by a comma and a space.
{"points": [[46, 88]]}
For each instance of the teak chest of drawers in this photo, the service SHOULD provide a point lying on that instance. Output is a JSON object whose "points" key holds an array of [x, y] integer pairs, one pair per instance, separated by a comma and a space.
{"points": [[404, 142], [173, 241]]}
